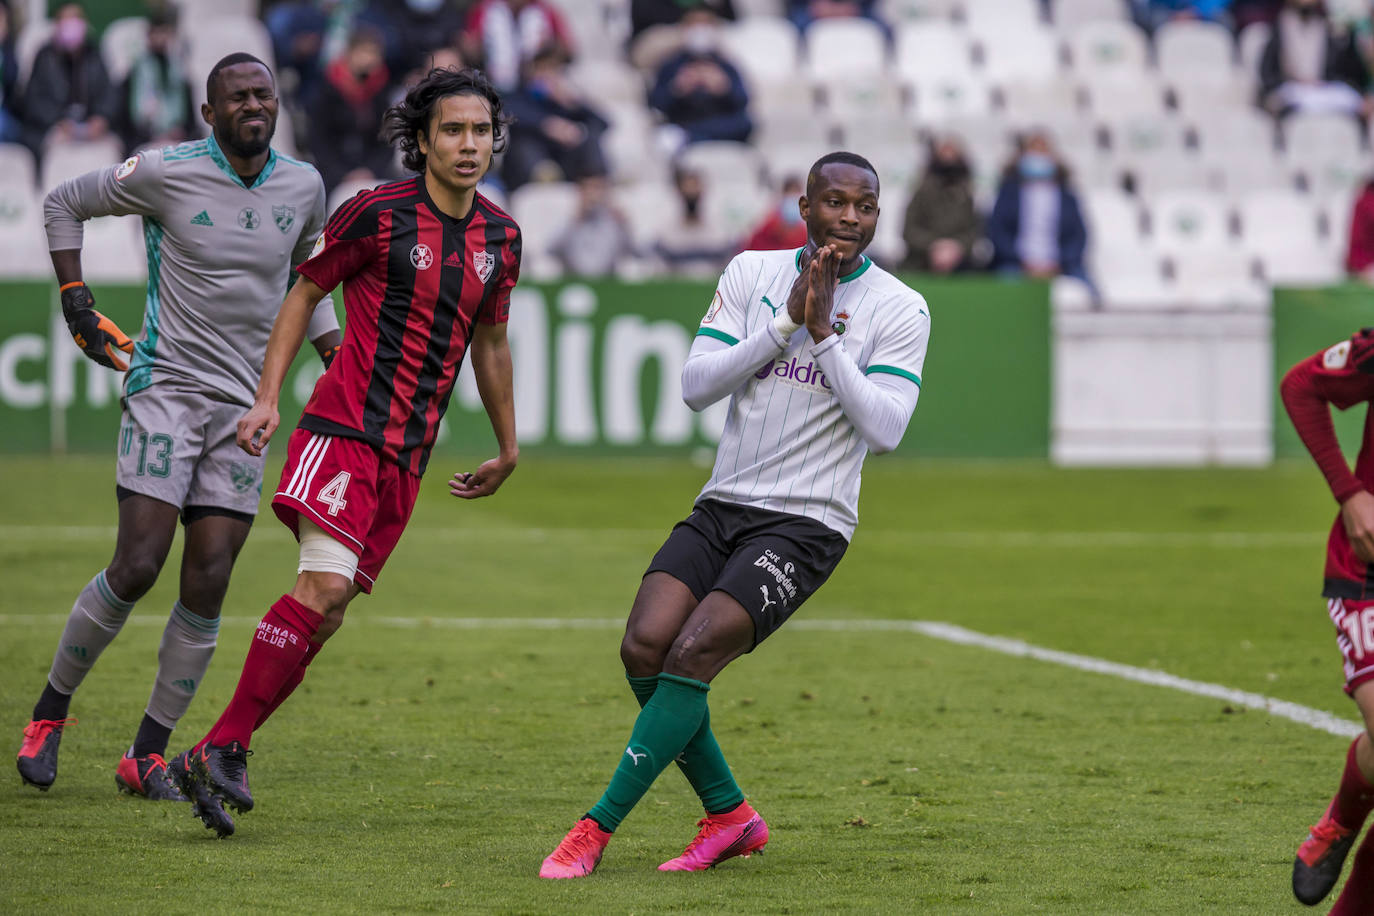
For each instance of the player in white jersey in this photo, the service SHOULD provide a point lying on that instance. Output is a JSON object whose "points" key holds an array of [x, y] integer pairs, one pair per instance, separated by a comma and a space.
{"points": [[820, 352], [225, 220]]}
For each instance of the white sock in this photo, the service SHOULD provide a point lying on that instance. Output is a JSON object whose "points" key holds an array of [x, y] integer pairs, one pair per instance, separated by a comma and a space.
{"points": [[94, 622], [188, 643]]}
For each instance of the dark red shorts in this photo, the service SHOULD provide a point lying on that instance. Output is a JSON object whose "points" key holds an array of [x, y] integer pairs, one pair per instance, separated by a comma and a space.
{"points": [[345, 487], [1354, 622]]}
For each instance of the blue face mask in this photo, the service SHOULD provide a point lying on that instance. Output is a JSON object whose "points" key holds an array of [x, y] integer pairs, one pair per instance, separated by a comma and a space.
{"points": [[1036, 166], [790, 211]]}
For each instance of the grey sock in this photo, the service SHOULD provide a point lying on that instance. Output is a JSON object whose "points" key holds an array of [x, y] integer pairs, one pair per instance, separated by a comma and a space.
{"points": [[188, 643], [94, 622]]}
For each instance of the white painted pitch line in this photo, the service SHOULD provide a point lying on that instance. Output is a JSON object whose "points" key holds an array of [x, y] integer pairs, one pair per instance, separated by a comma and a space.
{"points": [[948, 632], [1220, 540]]}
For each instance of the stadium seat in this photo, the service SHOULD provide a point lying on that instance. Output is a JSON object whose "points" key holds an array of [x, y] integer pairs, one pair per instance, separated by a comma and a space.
{"points": [[1311, 265], [940, 99], [602, 79], [796, 159], [1070, 13], [1142, 95], [1190, 220], [1028, 52], [16, 165], [926, 51], [197, 10], [599, 29], [1216, 280], [1113, 214], [67, 160], [899, 11], [735, 208], [627, 144], [844, 49], [1136, 136], [216, 35], [875, 98], [1035, 101], [1108, 50], [1250, 46], [1324, 151], [988, 17], [31, 37], [649, 206], [1070, 294], [725, 164], [1275, 219], [863, 131], [543, 210], [121, 44], [1192, 51], [23, 246], [988, 141], [1128, 278], [759, 9], [1155, 174], [776, 128], [766, 50], [899, 169]]}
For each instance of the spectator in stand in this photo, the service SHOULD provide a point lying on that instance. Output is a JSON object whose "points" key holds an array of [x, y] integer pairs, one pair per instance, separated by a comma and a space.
{"points": [[1036, 226], [1309, 67], [347, 114], [645, 14], [504, 35], [598, 239], [554, 133], [1151, 14], [11, 127], [698, 91], [421, 27], [1359, 259], [804, 12], [693, 245], [941, 226], [68, 96], [783, 226], [155, 107]]}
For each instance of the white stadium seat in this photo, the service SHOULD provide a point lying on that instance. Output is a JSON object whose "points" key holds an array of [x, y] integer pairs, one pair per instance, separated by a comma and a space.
{"points": [[988, 17], [1251, 44], [23, 246], [1217, 280], [543, 210], [765, 50], [1108, 50], [1193, 51], [649, 206], [1190, 221], [725, 164], [67, 160], [1270, 220], [16, 165], [602, 79], [1029, 53], [1113, 214], [1070, 13], [932, 50], [32, 36], [844, 49], [940, 99], [123, 41]]}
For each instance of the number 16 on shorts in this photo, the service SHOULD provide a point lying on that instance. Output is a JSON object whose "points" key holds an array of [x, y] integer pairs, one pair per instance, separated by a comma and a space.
{"points": [[1354, 622]]}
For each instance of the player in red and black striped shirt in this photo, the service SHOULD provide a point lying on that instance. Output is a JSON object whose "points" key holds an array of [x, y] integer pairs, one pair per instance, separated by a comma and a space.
{"points": [[427, 265], [1343, 375]]}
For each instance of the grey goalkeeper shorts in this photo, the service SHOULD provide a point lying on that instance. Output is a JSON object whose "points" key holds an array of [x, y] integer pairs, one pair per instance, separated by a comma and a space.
{"points": [[178, 447]]}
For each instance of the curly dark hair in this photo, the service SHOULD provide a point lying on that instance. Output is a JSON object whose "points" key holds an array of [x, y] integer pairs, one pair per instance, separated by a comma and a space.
{"points": [[409, 117]]}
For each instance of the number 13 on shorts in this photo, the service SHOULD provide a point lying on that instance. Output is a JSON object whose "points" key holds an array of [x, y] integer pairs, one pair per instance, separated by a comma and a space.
{"points": [[332, 493]]}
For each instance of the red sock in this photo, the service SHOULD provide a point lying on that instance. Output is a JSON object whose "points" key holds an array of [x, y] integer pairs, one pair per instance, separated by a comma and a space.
{"points": [[279, 645], [1355, 798], [1357, 897], [312, 649]]}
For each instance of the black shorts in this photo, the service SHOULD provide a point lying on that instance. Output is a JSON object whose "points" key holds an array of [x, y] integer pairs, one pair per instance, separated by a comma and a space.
{"points": [[770, 562]]}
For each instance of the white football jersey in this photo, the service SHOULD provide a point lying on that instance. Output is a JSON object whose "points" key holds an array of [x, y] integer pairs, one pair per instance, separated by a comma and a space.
{"points": [[787, 445]]}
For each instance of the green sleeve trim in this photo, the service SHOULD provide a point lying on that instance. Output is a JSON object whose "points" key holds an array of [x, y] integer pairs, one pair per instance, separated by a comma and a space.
{"points": [[718, 335], [893, 370]]}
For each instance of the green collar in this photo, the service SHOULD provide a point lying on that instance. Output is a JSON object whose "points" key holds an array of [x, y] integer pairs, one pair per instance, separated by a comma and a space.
{"points": [[864, 264], [217, 155]]}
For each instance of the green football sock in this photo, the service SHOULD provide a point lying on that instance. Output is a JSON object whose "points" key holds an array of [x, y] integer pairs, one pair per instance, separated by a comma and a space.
{"points": [[666, 723], [701, 761]]}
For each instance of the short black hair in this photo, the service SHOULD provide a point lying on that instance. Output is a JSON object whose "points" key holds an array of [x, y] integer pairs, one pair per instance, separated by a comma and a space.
{"points": [[411, 116], [229, 60], [844, 158]]}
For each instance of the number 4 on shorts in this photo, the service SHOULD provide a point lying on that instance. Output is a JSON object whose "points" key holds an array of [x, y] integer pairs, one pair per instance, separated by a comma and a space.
{"points": [[332, 493]]}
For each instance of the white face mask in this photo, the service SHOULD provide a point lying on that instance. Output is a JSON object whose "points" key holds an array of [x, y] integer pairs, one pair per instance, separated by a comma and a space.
{"points": [[699, 39]]}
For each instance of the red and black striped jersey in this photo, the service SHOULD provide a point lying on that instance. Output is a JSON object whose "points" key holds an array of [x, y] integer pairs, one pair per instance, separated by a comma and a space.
{"points": [[415, 282], [1343, 376]]}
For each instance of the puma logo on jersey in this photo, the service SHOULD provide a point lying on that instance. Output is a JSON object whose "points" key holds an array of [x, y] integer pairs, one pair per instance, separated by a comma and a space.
{"points": [[767, 602], [635, 757], [771, 306]]}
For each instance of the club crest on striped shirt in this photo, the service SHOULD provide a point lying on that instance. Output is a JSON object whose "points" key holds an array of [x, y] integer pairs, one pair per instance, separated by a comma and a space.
{"points": [[484, 262], [421, 256]]}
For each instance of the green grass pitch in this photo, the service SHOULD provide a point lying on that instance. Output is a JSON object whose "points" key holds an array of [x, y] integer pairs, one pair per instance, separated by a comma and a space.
{"points": [[472, 708]]}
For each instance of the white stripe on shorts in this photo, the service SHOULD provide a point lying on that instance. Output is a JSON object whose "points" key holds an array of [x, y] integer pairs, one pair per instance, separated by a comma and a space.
{"points": [[290, 488], [311, 457]]}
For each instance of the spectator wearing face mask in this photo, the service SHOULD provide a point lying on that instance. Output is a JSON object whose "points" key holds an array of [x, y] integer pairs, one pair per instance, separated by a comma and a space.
{"points": [[692, 244], [554, 133], [941, 225], [1309, 67], [347, 113], [1036, 226], [155, 106], [69, 96], [783, 226], [699, 91]]}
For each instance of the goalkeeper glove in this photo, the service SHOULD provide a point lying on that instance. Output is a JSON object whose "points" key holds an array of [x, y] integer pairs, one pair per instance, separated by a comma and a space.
{"points": [[97, 336]]}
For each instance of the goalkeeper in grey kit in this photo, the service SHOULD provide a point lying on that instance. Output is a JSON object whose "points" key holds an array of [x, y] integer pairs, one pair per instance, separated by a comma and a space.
{"points": [[225, 221]]}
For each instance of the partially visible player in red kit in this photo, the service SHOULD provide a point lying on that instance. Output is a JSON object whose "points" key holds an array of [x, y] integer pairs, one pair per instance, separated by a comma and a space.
{"points": [[1343, 375], [427, 265]]}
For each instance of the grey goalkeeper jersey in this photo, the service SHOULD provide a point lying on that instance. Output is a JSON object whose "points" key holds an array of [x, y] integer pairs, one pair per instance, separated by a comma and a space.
{"points": [[220, 258]]}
